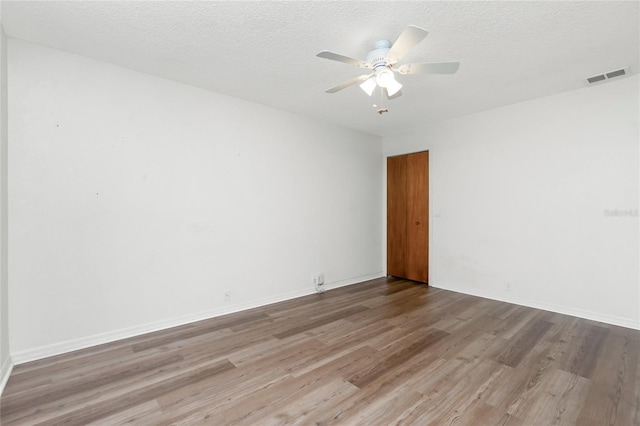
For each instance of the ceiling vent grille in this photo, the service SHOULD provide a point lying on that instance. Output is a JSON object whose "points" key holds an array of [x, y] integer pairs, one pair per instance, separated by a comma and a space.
{"points": [[608, 75]]}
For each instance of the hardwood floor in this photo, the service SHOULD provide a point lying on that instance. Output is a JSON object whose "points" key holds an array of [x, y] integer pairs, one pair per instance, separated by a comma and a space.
{"points": [[382, 352]]}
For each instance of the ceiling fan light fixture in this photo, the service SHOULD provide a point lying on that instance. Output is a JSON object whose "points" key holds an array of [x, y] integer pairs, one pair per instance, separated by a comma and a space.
{"points": [[384, 77], [369, 85], [393, 87]]}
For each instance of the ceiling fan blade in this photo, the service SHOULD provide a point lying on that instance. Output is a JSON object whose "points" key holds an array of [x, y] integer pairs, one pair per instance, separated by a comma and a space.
{"points": [[411, 36], [435, 68], [341, 58], [348, 83]]}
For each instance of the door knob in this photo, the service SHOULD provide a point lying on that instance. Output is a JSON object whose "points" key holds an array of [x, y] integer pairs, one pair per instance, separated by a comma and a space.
{"points": [[417, 223]]}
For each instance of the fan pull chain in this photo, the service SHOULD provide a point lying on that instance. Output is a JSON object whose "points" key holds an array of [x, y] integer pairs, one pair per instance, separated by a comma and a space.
{"points": [[382, 109]]}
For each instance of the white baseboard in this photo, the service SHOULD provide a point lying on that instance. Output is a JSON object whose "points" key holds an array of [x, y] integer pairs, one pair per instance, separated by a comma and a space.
{"points": [[98, 339], [566, 310], [5, 372]]}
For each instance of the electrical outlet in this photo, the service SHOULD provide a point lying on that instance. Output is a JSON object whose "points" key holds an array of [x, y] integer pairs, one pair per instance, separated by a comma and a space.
{"points": [[227, 296], [507, 287], [318, 282]]}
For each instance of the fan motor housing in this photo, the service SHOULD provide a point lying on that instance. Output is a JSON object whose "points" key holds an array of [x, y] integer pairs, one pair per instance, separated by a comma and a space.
{"points": [[378, 56]]}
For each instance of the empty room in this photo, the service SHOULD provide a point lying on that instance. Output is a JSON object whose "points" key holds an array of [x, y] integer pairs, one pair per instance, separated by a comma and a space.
{"points": [[319, 213]]}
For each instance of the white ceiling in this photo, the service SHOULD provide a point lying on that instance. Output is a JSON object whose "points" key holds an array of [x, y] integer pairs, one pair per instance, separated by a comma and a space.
{"points": [[265, 51]]}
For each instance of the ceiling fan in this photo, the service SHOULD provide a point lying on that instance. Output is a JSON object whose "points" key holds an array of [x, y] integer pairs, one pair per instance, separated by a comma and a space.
{"points": [[382, 62]]}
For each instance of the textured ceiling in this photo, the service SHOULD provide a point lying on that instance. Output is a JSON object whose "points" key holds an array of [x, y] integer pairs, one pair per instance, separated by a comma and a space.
{"points": [[265, 51]]}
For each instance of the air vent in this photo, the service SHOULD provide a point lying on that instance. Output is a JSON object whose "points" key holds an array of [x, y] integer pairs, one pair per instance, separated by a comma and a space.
{"points": [[596, 78], [608, 75], [616, 73]]}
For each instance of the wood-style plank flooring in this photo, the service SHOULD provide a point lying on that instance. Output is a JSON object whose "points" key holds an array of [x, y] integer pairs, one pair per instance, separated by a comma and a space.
{"points": [[381, 352]]}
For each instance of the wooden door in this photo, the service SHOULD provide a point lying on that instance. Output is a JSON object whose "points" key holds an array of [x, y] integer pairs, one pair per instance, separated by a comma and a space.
{"points": [[408, 216], [397, 216], [418, 216]]}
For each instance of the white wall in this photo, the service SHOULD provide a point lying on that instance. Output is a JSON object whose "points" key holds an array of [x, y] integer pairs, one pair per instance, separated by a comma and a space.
{"points": [[5, 359], [137, 201], [518, 197]]}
